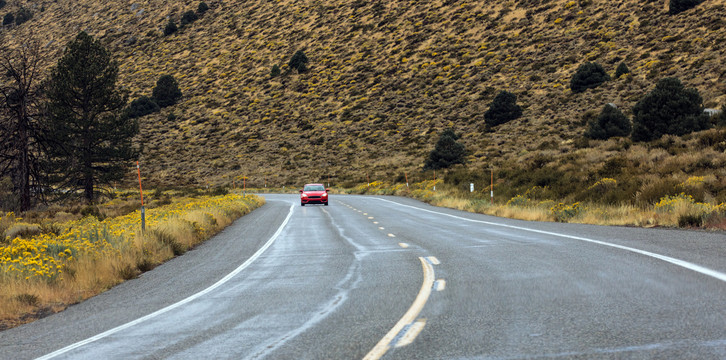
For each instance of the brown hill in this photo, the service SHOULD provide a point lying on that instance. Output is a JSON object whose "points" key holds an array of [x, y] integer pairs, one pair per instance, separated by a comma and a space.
{"points": [[386, 77]]}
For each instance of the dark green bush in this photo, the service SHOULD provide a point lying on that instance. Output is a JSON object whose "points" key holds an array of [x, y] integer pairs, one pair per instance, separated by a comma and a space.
{"points": [[610, 123], [447, 152], [170, 28], [588, 76], [621, 70], [8, 19], [677, 6], [502, 109], [202, 8], [23, 16], [275, 71], [2, 4], [299, 62], [668, 109], [167, 91], [141, 107], [188, 18]]}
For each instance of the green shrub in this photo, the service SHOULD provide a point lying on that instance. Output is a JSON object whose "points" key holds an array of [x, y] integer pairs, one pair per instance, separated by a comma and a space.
{"points": [[2, 4], [141, 107], [8, 19], [668, 109], [677, 6], [167, 91], [564, 213], [23, 16], [170, 28], [588, 76], [299, 62], [502, 109], [610, 123], [188, 17], [621, 70], [202, 8], [447, 152], [275, 71]]}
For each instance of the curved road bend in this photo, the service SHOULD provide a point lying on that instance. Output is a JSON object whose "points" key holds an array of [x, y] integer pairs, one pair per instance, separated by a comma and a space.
{"points": [[392, 278]]}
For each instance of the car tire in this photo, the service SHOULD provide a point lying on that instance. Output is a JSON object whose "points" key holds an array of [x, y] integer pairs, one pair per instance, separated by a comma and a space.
{"points": [[326, 204], [302, 204]]}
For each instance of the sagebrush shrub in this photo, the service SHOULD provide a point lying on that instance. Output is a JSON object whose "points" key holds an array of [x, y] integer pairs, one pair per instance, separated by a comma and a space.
{"points": [[669, 109], [610, 123], [503, 109], [167, 91], [588, 76]]}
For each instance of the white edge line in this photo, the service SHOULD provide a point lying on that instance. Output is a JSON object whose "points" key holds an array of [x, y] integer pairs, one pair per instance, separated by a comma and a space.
{"points": [[180, 303], [682, 263]]}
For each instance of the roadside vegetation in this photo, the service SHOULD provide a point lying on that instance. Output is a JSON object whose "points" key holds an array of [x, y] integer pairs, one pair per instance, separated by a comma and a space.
{"points": [[61, 256], [538, 204]]}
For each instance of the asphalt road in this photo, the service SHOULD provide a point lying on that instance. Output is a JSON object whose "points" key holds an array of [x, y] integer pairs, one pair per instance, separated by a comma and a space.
{"points": [[392, 278]]}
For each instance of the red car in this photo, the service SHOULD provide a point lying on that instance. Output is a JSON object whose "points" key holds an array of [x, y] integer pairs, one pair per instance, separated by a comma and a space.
{"points": [[314, 194]]}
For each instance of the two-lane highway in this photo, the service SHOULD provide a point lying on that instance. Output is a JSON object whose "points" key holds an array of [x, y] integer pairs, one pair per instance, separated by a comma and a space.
{"points": [[385, 277]]}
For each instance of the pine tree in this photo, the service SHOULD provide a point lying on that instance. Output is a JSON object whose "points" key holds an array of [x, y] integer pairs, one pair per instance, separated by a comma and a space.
{"points": [[621, 70], [610, 123], [20, 127], [668, 109], [166, 92], [503, 109], [677, 6], [447, 152], [93, 142], [170, 28], [299, 62]]}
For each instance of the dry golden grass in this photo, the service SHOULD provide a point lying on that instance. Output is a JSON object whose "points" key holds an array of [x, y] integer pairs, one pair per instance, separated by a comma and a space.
{"points": [[382, 84], [121, 252]]}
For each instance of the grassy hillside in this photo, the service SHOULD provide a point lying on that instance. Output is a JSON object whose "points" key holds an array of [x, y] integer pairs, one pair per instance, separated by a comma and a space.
{"points": [[386, 77]]}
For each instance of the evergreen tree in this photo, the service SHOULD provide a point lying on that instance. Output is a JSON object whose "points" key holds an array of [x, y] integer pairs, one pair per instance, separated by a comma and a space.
{"points": [[170, 28], [447, 152], [92, 140], [166, 92], [610, 123], [299, 62], [588, 76], [677, 6], [621, 70], [141, 107], [503, 109], [8, 19], [202, 8], [668, 109], [188, 18], [23, 16]]}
